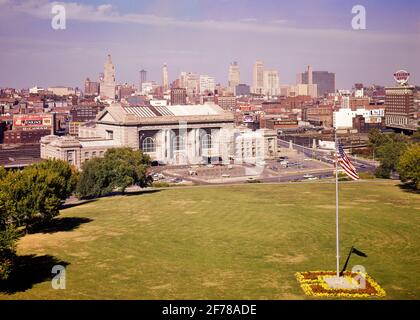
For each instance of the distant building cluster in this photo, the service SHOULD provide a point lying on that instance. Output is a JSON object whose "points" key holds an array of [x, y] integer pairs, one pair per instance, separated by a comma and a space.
{"points": [[75, 125]]}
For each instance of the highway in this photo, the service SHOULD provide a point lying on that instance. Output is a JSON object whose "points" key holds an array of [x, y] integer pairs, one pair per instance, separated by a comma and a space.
{"points": [[362, 165]]}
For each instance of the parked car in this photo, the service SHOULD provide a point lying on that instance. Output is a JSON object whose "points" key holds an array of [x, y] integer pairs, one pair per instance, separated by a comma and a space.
{"points": [[308, 176], [225, 175], [176, 180]]}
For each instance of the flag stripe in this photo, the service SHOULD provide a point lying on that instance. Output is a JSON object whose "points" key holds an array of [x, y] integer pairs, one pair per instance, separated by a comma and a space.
{"points": [[346, 164]]}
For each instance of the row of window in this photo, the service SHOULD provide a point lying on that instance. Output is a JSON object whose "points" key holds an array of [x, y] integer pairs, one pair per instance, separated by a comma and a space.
{"points": [[149, 143]]}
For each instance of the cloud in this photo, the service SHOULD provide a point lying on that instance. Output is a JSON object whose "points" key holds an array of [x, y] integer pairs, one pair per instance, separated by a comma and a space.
{"points": [[106, 13]]}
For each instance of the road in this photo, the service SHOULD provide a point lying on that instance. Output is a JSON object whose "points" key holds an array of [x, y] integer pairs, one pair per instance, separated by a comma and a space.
{"points": [[362, 165]]}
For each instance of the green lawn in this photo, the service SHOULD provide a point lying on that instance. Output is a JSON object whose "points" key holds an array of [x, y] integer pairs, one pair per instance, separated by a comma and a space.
{"points": [[229, 242]]}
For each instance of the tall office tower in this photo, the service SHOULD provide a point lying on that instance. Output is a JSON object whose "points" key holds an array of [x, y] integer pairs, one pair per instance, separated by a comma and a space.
{"points": [[207, 84], [310, 75], [234, 76], [191, 82], [324, 80], [399, 102], [258, 78], [183, 79], [271, 83], [143, 78], [107, 87], [178, 96], [165, 78]]}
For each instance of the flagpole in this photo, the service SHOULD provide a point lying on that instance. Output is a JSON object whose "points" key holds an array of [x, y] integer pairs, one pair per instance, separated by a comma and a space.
{"points": [[336, 205]]}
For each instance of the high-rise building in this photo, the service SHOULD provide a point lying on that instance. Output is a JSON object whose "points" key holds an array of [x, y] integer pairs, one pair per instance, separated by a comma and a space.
{"points": [[399, 103], [310, 75], [324, 80], [234, 76], [107, 86], [178, 96], [271, 83], [165, 78], [258, 78], [207, 84], [191, 82], [143, 78], [91, 88]]}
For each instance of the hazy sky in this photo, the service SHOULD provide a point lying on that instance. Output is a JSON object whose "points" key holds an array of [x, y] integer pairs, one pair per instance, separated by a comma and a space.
{"points": [[204, 36]]}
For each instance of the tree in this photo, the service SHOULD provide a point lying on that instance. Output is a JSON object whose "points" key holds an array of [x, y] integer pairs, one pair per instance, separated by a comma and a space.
{"points": [[34, 194], [388, 154], [409, 165], [376, 138], [119, 169], [27, 198]]}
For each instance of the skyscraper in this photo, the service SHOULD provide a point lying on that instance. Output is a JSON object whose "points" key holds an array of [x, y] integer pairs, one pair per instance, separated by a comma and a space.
{"points": [[399, 102], [107, 86], [143, 78], [310, 75], [234, 76], [207, 84], [165, 78], [271, 82], [258, 78], [324, 80]]}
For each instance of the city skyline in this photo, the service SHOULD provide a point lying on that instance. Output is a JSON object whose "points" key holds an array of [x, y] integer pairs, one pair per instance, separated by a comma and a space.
{"points": [[205, 38]]}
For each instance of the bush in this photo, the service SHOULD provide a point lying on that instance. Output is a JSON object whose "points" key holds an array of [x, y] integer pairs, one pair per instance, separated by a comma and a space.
{"points": [[366, 175], [160, 185], [409, 165], [8, 238], [119, 169]]}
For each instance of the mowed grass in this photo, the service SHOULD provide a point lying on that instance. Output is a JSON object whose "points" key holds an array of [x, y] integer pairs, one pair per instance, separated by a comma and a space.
{"points": [[227, 242]]}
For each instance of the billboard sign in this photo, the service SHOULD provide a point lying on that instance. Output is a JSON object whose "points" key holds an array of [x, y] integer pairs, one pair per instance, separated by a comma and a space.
{"points": [[32, 121], [401, 77], [377, 112]]}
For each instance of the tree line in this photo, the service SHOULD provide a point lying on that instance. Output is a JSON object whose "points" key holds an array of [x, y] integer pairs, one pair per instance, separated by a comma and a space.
{"points": [[32, 197], [398, 154]]}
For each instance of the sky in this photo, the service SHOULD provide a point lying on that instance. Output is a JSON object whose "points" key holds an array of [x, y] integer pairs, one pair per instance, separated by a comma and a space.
{"points": [[204, 37]]}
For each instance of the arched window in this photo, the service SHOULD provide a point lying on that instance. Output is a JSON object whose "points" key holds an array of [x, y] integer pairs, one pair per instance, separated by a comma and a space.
{"points": [[179, 143], [149, 145], [206, 142]]}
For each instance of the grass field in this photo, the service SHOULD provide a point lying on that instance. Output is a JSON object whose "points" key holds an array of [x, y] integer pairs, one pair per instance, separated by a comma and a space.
{"points": [[228, 242]]}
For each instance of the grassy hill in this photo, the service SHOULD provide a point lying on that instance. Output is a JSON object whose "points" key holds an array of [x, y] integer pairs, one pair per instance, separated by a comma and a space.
{"points": [[225, 242]]}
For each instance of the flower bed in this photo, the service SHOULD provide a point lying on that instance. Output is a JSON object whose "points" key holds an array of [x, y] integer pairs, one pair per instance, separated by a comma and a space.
{"points": [[313, 284]]}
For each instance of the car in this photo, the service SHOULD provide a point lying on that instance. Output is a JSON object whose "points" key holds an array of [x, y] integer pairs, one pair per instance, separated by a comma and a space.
{"points": [[230, 166], [225, 175], [210, 166], [308, 176], [313, 178], [192, 173], [307, 159], [176, 180]]}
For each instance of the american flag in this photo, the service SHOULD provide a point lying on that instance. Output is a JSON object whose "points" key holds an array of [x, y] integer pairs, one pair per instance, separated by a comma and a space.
{"points": [[346, 164]]}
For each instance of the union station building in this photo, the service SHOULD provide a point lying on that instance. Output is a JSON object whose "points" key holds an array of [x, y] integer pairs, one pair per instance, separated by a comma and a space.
{"points": [[173, 135]]}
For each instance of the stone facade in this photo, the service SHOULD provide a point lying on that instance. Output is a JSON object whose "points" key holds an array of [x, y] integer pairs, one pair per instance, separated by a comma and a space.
{"points": [[175, 135]]}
